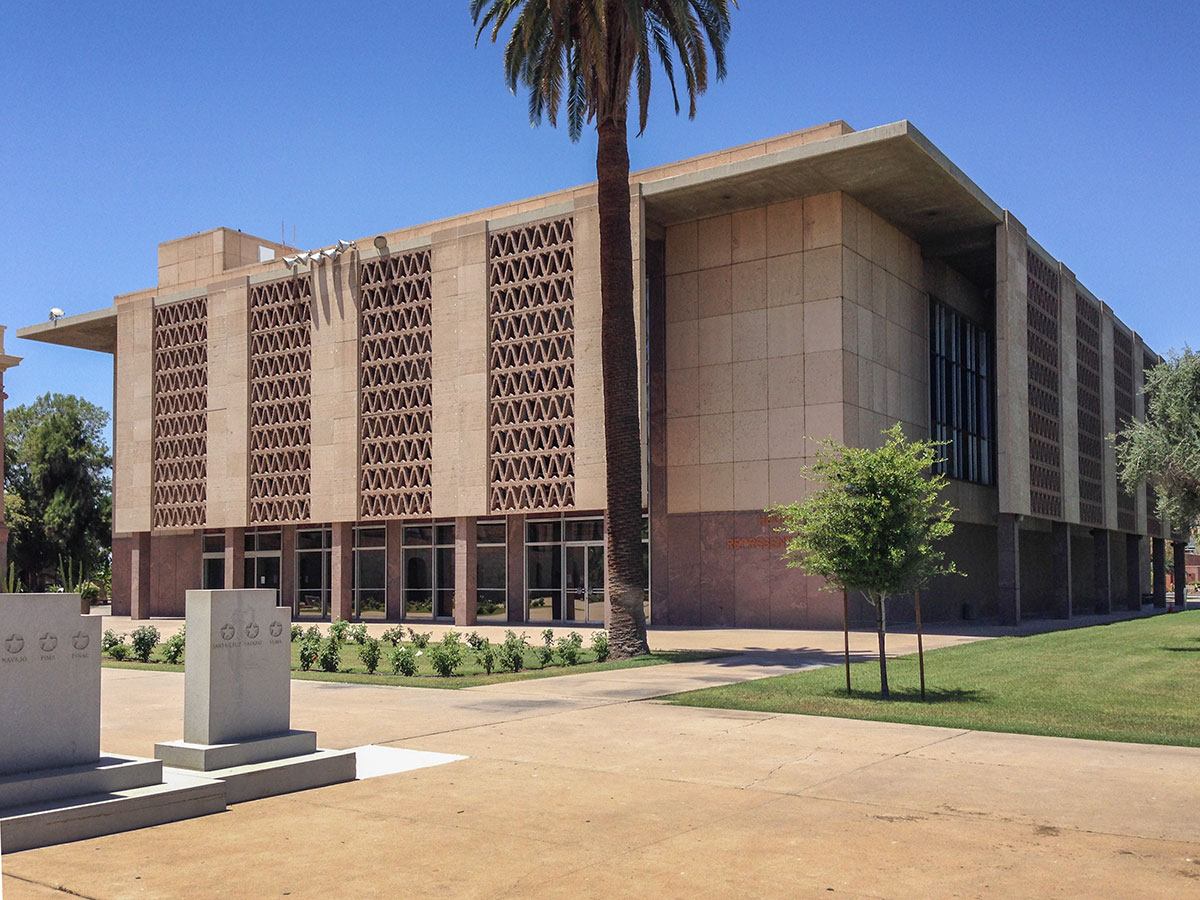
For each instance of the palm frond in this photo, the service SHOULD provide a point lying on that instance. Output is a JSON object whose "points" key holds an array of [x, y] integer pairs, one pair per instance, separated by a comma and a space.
{"points": [[588, 56]]}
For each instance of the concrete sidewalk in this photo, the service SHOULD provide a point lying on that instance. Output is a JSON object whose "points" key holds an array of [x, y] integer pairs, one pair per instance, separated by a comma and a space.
{"points": [[571, 790], [902, 635]]}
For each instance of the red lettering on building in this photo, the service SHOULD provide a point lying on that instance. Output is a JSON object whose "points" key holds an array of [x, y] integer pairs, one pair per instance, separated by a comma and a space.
{"points": [[766, 542]]}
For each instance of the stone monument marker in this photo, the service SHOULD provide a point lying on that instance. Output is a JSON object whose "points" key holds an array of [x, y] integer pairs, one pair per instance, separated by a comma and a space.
{"points": [[50, 671], [55, 784], [238, 654], [237, 701]]}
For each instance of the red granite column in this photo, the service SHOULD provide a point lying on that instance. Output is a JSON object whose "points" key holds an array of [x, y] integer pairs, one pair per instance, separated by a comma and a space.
{"points": [[1180, 575], [235, 558], [1102, 566], [1060, 555], [341, 572], [1158, 562], [139, 577], [1133, 571], [466, 571], [395, 580], [287, 566], [1008, 533], [516, 568]]}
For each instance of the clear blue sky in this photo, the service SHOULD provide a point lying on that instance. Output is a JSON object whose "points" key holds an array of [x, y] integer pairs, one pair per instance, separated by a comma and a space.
{"points": [[123, 125]]}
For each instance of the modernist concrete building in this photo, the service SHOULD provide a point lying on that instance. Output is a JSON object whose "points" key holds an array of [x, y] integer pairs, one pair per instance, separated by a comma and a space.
{"points": [[411, 426]]}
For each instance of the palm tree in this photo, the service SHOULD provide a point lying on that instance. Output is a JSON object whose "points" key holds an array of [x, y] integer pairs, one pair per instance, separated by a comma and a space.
{"points": [[584, 55]]}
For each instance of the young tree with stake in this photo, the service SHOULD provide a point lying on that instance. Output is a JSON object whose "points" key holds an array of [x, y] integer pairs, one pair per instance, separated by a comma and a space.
{"points": [[874, 524]]}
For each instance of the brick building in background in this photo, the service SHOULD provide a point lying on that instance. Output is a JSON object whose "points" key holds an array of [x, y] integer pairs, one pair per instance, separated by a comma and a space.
{"points": [[411, 427]]}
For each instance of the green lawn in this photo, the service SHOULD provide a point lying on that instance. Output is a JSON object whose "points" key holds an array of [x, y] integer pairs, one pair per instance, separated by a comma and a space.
{"points": [[470, 674], [1137, 680]]}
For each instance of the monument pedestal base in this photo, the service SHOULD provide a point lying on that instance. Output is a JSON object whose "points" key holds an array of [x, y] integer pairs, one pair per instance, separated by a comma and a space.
{"points": [[210, 757], [108, 775], [111, 806], [262, 767], [285, 776]]}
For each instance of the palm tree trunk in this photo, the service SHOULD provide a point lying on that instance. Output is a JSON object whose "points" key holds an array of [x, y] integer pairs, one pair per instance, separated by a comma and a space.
{"points": [[622, 434], [881, 626]]}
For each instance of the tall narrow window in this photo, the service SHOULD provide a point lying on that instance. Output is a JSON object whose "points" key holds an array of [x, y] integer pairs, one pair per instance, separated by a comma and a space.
{"points": [[960, 389], [429, 571], [370, 572], [491, 567]]}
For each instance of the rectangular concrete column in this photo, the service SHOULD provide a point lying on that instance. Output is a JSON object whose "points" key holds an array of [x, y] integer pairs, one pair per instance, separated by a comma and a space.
{"points": [[516, 568], [1133, 570], [139, 576], [341, 572], [395, 570], [1060, 558], [1008, 538], [287, 566], [466, 571], [1158, 563], [1012, 366], [1108, 416], [235, 559], [1180, 574], [1068, 386], [1102, 563], [656, 435]]}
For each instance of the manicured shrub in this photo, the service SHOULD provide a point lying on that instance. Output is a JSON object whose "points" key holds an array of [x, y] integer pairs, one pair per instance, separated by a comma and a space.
{"points": [[569, 648], [404, 661], [394, 635], [173, 647], [512, 651], [310, 648], [369, 653], [297, 633], [545, 653], [486, 655], [420, 639], [144, 639], [338, 629], [446, 655], [358, 633], [330, 655], [110, 639], [119, 652], [600, 646], [475, 640]]}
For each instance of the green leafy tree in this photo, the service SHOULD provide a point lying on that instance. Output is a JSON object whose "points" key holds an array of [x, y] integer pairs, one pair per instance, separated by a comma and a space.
{"points": [[874, 524], [58, 472], [586, 56], [1165, 449]]}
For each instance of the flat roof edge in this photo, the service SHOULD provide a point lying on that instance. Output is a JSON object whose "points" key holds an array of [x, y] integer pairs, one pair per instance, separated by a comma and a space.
{"points": [[881, 134], [776, 158], [918, 137], [95, 330]]}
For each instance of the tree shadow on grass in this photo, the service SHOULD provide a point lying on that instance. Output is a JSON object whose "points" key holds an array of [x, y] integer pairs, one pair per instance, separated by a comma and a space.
{"points": [[913, 695], [1195, 649]]}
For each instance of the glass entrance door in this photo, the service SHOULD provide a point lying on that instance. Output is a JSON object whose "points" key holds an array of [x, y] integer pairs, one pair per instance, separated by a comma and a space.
{"points": [[312, 594], [263, 572], [584, 582]]}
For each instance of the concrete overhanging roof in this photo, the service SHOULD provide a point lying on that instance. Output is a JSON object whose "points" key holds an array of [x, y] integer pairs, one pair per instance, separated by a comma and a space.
{"points": [[96, 330], [892, 169]]}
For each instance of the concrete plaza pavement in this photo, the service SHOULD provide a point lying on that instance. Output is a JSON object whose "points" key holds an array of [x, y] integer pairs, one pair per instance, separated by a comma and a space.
{"points": [[577, 787]]}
